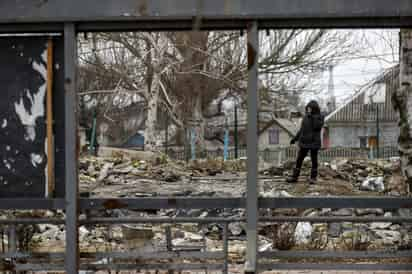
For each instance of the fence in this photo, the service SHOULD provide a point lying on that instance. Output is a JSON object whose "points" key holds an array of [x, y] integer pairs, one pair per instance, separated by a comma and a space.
{"points": [[81, 17], [17, 260], [280, 155]]}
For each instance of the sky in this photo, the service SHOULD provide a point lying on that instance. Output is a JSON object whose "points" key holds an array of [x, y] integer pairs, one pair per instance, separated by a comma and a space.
{"points": [[379, 52]]}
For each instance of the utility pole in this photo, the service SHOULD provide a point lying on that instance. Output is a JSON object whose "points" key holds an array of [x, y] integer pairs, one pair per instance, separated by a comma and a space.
{"points": [[92, 147], [187, 144], [167, 135], [226, 142], [377, 130], [236, 135]]}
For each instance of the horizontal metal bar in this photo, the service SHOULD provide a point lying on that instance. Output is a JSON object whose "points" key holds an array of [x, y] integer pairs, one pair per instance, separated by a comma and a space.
{"points": [[115, 220], [282, 202], [334, 255], [232, 24], [160, 25], [164, 266], [310, 23], [236, 23], [213, 203], [208, 266], [97, 267], [162, 203], [185, 10], [336, 219], [157, 220], [31, 203], [218, 255], [336, 202], [34, 256], [32, 28], [31, 221], [320, 266]]}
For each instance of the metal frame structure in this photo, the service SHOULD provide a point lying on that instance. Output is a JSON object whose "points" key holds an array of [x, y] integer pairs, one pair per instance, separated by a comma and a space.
{"points": [[71, 17]]}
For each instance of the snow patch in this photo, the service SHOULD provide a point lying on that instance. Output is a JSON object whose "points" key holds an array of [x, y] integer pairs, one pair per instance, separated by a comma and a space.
{"points": [[4, 123], [28, 117], [36, 159]]}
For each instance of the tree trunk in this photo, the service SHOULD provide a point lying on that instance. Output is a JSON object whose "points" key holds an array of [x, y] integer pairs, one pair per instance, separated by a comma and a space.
{"points": [[150, 135], [192, 84], [402, 101], [200, 123]]}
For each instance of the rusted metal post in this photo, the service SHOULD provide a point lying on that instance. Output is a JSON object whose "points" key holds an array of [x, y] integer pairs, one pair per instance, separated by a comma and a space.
{"points": [[50, 135], [12, 243], [225, 240], [169, 244], [71, 178], [252, 148]]}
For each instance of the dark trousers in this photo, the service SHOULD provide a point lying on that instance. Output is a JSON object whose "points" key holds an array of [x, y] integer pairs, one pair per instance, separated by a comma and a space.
{"points": [[314, 158]]}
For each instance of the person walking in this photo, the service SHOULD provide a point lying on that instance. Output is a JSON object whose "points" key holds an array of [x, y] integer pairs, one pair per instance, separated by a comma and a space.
{"points": [[308, 138]]}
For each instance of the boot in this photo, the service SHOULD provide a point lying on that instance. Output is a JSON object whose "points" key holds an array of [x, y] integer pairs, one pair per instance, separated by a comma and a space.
{"points": [[294, 177], [313, 176]]}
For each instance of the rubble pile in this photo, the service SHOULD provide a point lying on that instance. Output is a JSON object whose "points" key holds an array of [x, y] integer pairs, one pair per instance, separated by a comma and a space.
{"points": [[128, 177], [346, 177], [120, 176], [133, 177], [215, 177], [345, 235]]}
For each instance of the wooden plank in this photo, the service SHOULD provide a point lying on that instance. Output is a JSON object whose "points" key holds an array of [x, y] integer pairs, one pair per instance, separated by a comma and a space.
{"points": [[49, 117]]}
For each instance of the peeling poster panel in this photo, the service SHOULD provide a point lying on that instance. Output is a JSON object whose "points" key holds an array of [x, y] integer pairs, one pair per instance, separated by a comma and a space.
{"points": [[23, 82]]}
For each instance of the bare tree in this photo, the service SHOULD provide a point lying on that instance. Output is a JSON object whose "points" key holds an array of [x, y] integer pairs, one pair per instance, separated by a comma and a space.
{"points": [[181, 72], [209, 63], [184, 72], [402, 103], [292, 60], [138, 60]]}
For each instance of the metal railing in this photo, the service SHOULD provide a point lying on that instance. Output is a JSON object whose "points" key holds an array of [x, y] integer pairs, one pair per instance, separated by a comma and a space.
{"points": [[279, 155], [17, 260], [44, 18]]}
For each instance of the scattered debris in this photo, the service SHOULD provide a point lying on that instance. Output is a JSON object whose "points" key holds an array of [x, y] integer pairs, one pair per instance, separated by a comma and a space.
{"points": [[303, 233], [135, 175], [373, 184]]}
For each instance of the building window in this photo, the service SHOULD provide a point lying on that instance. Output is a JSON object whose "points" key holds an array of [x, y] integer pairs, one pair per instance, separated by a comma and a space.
{"points": [[363, 142], [273, 136]]}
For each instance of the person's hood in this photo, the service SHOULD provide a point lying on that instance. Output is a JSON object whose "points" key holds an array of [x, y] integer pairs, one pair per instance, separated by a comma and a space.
{"points": [[314, 106]]}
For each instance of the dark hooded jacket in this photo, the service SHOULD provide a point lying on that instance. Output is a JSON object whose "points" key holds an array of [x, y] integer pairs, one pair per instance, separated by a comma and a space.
{"points": [[309, 132]]}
